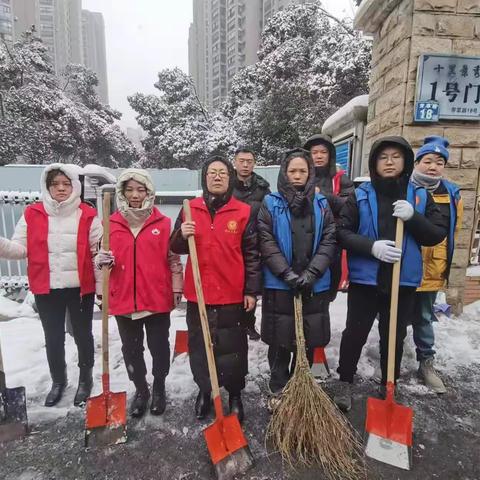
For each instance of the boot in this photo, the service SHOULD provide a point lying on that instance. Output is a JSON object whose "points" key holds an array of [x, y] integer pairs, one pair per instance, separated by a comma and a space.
{"points": [[140, 401], [85, 384], [343, 396], [253, 334], [236, 406], [59, 383], [159, 402], [203, 404], [430, 377]]}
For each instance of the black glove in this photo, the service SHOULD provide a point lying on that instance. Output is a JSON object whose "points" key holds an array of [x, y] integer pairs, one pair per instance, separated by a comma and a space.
{"points": [[290, 278], [305, 282]]}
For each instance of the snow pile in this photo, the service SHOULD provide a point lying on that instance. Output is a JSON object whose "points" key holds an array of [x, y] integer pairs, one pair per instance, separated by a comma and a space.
{"points": [[346, 114], [10, 309], [457, 344]]}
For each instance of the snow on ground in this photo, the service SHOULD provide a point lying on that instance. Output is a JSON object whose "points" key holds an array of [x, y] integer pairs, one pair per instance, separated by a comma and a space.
{"points": [[457, 343]]}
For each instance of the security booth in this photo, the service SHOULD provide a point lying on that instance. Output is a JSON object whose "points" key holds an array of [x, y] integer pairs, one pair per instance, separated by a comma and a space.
{"points": [[346, 127]]}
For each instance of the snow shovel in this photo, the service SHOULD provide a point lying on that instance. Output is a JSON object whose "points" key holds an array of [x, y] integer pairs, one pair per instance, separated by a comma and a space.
{"points": [[226, 442], [13, 409], [106, 414], [389, 424]]}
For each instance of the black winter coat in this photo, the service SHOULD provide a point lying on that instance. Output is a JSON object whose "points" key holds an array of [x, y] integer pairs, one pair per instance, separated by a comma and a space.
{"points": [[427, 230], [252, 193], [278, 327], [227, 322], [230, 346]]}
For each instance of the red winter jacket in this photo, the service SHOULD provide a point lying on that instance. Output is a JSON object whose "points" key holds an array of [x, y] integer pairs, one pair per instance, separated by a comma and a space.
{"points": [[220, 256], [141, 279], [38, 270]]}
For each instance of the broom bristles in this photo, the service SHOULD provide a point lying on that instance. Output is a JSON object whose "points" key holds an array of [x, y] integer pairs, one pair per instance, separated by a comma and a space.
{"points": [[306, 426]]}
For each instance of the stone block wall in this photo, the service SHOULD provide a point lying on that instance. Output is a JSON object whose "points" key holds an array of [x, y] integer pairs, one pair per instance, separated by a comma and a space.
{"points": [[402, 31]]}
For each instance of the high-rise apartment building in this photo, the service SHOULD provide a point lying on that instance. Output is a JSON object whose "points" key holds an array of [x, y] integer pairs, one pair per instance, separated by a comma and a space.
{"points": [[94, 49], [6, 20], [72, 35], [68, 33], [224, 38], [57, 22]]}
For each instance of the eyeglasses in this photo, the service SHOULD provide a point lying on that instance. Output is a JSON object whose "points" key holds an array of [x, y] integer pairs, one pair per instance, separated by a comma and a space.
{"points": [[220, 173]]}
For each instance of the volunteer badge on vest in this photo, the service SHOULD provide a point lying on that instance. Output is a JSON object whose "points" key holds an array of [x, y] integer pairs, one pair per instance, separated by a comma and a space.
{"points": [[232, 226], [155, 231]]}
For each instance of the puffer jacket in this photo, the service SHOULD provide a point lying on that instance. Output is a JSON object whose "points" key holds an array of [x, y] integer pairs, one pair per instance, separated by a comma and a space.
{"points": [[436, 264], [253, 193], [63, 223]]}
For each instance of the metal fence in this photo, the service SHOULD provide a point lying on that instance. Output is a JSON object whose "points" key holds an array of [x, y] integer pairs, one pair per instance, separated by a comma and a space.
{"points": [[13, 273]]}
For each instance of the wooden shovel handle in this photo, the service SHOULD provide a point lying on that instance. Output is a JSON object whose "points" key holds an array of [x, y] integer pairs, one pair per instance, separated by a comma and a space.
{"points": [[212, 369], [392, 335], [105, 285]]}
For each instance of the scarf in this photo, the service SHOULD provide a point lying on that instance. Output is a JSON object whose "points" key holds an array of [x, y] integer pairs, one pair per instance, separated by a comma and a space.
{"points": [[135, 217], [426, 181]]}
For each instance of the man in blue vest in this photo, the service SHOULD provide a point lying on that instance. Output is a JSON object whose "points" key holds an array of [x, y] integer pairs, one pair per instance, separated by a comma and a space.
{"points": [[367, 231], [430, 163]]}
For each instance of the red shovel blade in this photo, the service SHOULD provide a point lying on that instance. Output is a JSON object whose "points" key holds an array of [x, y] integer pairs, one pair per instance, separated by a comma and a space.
{"points": [[181, 342], [320, 365], [224, 436], [389, 426], [107, 409]]}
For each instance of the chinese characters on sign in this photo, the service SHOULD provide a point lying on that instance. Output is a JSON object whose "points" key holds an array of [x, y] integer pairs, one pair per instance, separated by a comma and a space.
{"points": [[450, 82]]}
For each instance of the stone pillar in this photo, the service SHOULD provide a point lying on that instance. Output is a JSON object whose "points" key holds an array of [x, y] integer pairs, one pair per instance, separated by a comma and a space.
{"points": [[402, 30]]}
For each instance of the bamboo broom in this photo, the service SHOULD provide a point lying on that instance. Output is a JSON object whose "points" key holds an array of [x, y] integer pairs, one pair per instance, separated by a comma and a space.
{"points": [[306, 426]]}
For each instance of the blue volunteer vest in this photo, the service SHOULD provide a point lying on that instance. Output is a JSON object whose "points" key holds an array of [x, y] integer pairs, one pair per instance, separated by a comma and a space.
{"points": [[363, 269], [282, 231], [454, 194]]}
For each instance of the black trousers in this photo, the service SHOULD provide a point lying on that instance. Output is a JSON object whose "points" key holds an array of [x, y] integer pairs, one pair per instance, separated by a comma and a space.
{"points": [[365, 302], [132, 334], [52, 309], [282, 365]]}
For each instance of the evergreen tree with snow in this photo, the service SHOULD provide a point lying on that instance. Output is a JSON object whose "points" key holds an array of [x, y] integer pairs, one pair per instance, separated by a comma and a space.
{"points": [[45, 118], [310, 64]]}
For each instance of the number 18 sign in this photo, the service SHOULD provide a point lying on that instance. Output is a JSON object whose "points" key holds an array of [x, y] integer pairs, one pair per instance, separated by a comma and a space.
{"points": [[426, 111]]}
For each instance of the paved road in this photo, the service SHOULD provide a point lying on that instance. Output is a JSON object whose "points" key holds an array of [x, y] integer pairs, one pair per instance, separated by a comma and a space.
{"points": [[446, 443]]}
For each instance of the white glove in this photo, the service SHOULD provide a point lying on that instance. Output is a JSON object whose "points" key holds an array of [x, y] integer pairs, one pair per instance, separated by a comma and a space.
{"points": [[104, 258], [386, 251], [403, 210]]}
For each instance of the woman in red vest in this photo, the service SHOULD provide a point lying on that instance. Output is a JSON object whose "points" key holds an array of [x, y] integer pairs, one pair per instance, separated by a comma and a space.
{"points": [[59, 237], [145, 283], [229, 262]]}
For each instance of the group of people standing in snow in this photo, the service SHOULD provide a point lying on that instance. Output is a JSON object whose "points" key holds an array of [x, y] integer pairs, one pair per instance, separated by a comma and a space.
{"points": [[250, 242]]}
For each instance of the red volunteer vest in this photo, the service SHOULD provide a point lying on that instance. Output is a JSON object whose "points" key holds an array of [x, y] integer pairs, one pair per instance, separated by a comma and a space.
{"points": [[38, 270], [220, 257], [141, 278]]}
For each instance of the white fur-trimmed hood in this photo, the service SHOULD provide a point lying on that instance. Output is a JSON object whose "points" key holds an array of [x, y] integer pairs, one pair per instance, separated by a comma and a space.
{"points": [[72, 203]]}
